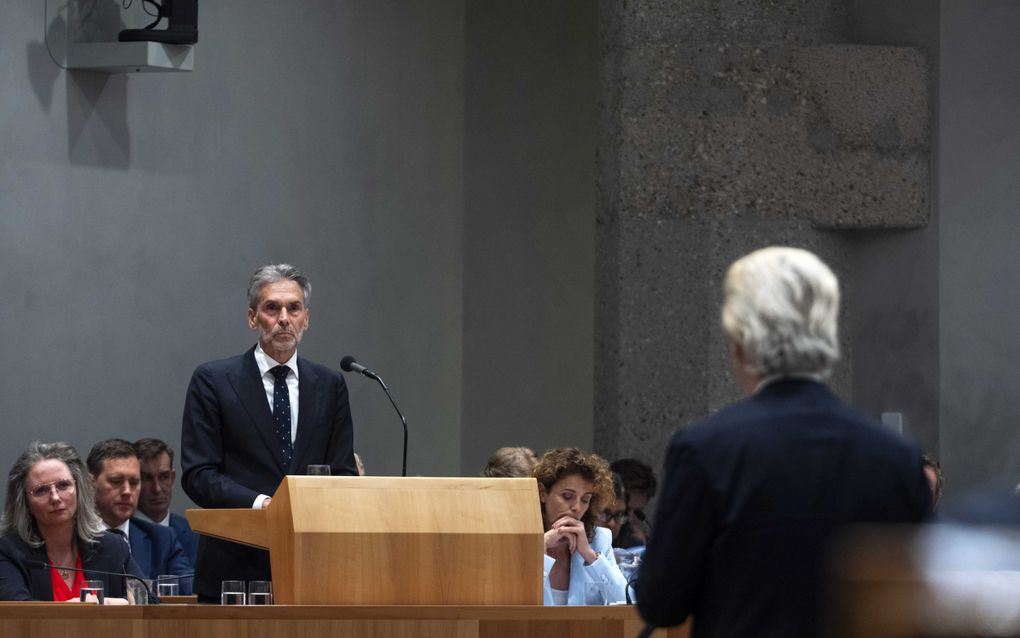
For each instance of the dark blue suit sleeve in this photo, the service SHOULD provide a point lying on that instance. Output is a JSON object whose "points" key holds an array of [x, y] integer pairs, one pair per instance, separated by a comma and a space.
{"points": [[674, 564], [14, 578], [340, 450], [202, 448], [179, 564]]}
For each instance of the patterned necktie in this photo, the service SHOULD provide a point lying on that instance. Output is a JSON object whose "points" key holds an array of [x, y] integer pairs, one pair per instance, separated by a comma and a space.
{"points": [[281, 413]]}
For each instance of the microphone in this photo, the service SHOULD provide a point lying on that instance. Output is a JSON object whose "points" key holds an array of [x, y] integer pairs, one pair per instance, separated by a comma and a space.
{"points": [[350, 364], [645, 526], [39, 564]]}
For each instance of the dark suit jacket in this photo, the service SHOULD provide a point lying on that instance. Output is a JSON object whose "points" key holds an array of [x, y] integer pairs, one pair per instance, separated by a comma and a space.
{"points": [[187, 538], [20, 581], [750, 498], [229, 457], [157, 552]]}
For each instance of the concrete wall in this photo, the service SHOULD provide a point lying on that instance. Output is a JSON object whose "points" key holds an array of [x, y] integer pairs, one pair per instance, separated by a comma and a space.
{"points": [[894, 321], [979, 202], [529, 265], [725, 128], [133, 210], [430, 165]]}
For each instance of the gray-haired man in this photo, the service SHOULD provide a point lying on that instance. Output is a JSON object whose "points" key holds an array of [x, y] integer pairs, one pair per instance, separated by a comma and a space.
{"points": [[252, 419]]}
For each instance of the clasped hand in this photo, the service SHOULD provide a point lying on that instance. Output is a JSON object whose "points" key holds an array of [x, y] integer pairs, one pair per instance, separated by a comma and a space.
{"points": [[567, 536]]}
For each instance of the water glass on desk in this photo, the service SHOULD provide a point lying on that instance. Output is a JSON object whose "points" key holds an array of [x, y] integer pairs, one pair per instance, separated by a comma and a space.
{"points": [[138, 591], [168, 585], [94, 587], [260, 592], [318, 470], [232, 592]]}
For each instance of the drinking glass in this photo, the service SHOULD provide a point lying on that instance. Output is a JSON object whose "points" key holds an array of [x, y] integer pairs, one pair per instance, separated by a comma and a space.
{"points": [[318, 470], [167, 585], [138, 593], [260, 592], [232, 592], [94, 587]]}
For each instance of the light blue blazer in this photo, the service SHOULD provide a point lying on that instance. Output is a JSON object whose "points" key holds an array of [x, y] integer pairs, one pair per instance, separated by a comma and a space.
{"points": [[587, 582]]}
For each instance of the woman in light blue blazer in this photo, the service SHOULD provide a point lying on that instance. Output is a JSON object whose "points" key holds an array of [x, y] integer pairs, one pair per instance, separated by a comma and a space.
{"points": [[579, 565]]}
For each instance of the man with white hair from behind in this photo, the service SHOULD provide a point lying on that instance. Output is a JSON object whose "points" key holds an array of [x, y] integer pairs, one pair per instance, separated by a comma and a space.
{"points": [[752, 494]]}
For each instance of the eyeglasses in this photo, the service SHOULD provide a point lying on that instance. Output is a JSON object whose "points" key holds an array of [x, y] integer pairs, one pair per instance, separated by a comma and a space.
{"points": [[40, 492], [619, 517]]}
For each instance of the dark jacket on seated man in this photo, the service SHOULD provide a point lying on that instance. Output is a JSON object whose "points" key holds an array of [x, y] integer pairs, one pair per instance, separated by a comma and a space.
{"points": [[185, 536], [157, 552], [24, 575]]}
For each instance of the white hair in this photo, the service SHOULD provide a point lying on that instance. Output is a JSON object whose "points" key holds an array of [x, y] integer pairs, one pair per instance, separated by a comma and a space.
{"points": [[780, 307]]}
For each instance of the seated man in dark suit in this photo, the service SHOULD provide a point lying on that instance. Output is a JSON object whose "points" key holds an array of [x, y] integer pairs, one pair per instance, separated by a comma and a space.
{"points": [[158, 476], [116, 478], [753, 494]]}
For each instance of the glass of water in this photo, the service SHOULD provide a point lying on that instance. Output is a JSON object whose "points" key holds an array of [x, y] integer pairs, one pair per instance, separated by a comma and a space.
{"points": [[167, 585], [260, 592], [318, 470], [232, 592], [94, 587]]}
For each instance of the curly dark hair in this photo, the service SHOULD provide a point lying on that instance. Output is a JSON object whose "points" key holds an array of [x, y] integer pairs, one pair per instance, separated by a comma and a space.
{"points": [[559, 463]]}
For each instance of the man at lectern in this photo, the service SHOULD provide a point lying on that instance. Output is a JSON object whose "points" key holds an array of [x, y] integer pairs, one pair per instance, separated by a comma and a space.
{"points": [[251, 419]]}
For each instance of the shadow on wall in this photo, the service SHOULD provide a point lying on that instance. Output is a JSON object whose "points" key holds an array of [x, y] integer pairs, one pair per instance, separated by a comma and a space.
{"points": [[97, 132]]}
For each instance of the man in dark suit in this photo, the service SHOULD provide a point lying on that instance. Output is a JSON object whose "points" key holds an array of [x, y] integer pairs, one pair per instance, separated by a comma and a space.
{"points": [[753, 494], [116, 478], [251, 419], [158, 477]]}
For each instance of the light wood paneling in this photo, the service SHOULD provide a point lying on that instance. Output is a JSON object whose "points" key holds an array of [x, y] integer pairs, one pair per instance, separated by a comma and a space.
{"points": [[57, 620], [395, 541]]}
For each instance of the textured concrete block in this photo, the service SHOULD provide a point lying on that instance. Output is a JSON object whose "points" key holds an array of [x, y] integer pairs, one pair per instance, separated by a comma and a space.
{"points": [[637, 23], [776, 130], [728, 126]]}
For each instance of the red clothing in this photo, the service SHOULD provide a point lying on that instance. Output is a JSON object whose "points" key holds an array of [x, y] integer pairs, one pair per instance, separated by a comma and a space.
{"points": [[60, 591]]}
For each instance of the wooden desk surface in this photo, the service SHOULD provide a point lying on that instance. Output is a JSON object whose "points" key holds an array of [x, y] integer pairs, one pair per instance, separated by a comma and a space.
{"points": [[49, 620]]}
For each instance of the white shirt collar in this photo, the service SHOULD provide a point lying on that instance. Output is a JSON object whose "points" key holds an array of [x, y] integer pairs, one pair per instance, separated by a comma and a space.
{"points": [[267, 363], [124, 527]]}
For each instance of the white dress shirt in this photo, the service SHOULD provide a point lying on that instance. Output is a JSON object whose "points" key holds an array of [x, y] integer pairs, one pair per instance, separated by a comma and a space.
{"points": [[265, 364]]}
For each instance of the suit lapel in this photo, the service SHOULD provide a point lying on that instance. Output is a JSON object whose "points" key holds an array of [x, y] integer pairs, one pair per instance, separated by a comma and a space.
{"points": [[39, 583], [141, 549], [252, 394], [309, 387]]}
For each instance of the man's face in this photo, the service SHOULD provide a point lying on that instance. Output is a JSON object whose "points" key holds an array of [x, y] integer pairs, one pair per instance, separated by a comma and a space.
{"points": [[614, 517], [280, 318], [117, 488], [157, 486], [636, 501]]}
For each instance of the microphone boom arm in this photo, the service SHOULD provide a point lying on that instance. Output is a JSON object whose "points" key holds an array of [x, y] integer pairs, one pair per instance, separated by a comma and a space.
{"points": [[403, 421]]}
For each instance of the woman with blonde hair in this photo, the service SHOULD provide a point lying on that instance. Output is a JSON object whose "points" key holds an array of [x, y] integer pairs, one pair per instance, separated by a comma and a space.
{"points": [[51, 533], [580, 569]]}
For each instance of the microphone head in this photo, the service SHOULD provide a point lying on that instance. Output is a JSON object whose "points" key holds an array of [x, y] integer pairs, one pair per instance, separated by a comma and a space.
{"points": [[345, 363]]}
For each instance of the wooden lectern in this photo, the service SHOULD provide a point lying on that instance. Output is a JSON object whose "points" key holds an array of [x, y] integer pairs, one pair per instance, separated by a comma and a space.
{"points": [[349, 540]]}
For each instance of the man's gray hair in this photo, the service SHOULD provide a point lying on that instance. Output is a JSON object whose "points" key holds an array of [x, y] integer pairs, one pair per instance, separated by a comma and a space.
{"points": [[18, 518], [272, 273], [781, 306]]}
